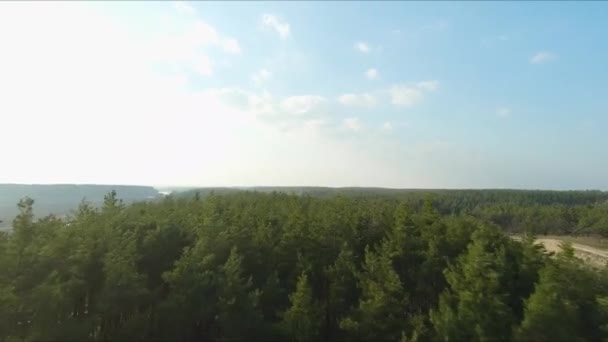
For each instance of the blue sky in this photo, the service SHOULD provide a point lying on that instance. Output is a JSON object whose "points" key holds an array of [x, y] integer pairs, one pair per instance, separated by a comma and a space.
{"points": [[396, 94]]}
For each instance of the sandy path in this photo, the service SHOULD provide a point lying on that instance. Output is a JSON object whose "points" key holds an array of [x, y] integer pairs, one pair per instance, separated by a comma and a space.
{"points": [[592, 255]]}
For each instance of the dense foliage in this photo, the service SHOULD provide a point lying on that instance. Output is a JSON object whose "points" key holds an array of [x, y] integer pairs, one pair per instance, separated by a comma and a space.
{"points": [[274, 266], [515, 211]]}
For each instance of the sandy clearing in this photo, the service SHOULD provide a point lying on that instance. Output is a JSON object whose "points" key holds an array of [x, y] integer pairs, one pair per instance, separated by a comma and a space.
{"points": [[592, 255]]}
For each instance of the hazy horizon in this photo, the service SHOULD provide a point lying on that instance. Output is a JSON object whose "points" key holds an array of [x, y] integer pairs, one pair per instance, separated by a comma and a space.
{"points": [[402, 95], [187, 187]]}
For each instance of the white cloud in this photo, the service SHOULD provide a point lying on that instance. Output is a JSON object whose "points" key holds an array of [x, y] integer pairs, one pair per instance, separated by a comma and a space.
{"points": [[542, 57], [301, 104], [362, 47], [503, 112], [96, 87], [201, 34], [261, 76], [180, 43], [202, 65], [101, 96], [235, 97], [357, 100], [371, 74], [277, 24], [184, 8], [387, 126], [266, 108], [405, 96], [262, 105], [347, 99], [104, 101], [231, 45], [352, 124], [428, 85]]}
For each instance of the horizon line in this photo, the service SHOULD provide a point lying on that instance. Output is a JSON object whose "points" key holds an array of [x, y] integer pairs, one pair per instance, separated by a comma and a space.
{"points": [[193, 187]]}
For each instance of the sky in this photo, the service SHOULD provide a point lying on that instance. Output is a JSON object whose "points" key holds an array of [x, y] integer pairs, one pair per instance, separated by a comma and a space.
{"points": [[387, 94]]}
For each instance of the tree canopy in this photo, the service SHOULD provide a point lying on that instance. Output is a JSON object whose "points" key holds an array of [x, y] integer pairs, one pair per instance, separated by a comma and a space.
{"points": [[277, 266]]}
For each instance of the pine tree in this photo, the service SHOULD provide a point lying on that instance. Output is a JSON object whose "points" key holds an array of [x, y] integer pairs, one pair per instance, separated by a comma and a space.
{"points": [[111, 201], [238, 316], [272, 301], [301, 320], [23, 235], [381, 311], [564, 300], [474, 307], [342, 290]]}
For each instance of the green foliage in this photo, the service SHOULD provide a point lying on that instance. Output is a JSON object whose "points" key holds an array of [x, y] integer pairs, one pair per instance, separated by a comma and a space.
{"points": [[342, 291], [381, 311], [362, 265], [475, 305], [565, 299], [238, 317], [301, 320]]}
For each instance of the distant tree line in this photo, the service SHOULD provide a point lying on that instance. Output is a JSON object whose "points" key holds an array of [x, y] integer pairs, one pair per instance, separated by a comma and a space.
{"points": [[61, 199], [434, 266]]}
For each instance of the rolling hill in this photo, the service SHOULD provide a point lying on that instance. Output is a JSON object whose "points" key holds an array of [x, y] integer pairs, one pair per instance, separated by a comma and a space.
{"points": [[61, 199]]}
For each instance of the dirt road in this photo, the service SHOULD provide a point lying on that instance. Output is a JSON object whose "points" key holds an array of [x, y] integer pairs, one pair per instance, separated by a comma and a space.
{"points": [[592, 255]]}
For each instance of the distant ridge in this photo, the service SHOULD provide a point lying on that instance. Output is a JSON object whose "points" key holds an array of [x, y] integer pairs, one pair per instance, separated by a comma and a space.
{"points": [[61, 199]]}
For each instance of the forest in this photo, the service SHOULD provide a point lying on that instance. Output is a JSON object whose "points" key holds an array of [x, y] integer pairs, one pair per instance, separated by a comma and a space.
{"points": [[60, 199], [349, 265]]}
